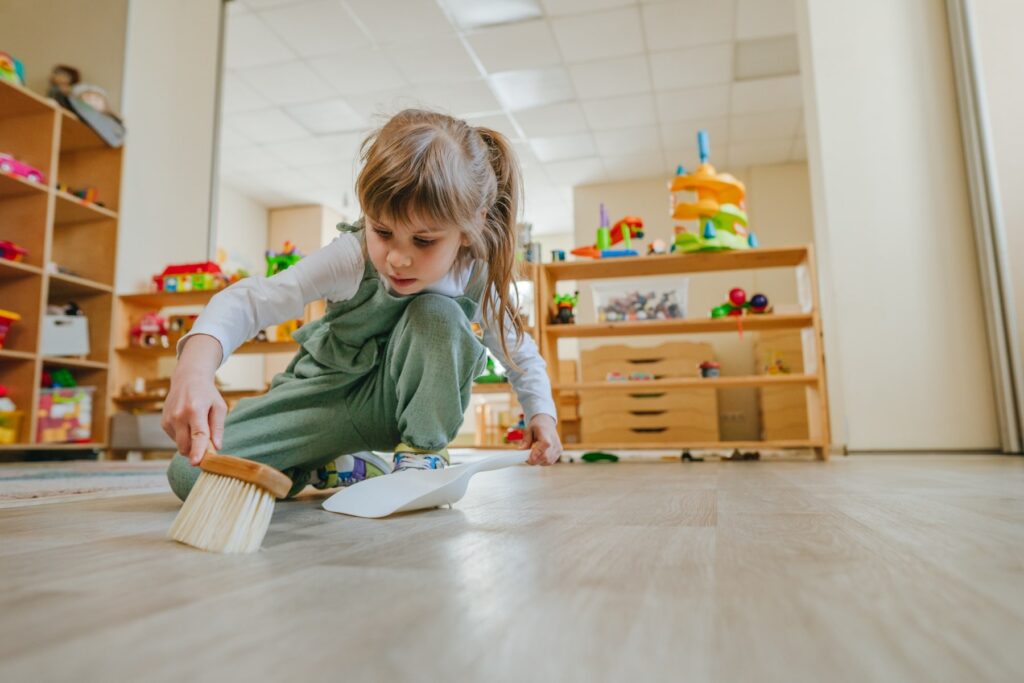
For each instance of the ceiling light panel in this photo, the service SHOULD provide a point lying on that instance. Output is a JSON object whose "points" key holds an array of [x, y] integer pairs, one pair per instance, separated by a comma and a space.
{"points": [[470, 14], [532, 87]]}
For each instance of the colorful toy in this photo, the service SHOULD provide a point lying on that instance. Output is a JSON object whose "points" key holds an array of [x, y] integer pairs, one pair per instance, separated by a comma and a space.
{"points": [[631, 377], [284, 331], [11, 69], [565, 308], [11, 251], [10, 418], [282, 260], [710, 368], [189, 277], [151, 331], [739, 305], [12, 166], [516, 432], [178, 326], [599, 456], [657, 248], [718, 209], [7, 320], [623, 231], [65, 415], [638, 305], [88, 194], [557, 255], [59, 378], [491, 376]]}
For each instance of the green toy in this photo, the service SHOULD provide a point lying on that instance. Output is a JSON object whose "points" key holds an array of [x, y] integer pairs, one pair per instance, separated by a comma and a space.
{"points": [[491, 376], [599, 456], [565, 308], [278, 261]]}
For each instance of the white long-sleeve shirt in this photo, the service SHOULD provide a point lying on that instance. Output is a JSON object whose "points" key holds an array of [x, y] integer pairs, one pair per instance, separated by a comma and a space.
{"points": [[334, 273]]}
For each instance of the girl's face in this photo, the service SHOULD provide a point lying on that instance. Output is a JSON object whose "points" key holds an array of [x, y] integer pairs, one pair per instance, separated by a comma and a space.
{"points": [[412, 256]]}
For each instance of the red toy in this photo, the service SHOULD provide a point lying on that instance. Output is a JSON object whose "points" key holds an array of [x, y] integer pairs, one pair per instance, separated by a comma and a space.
{"points": [[150, 331], [516, 432], [7, 320], [11, 251], [188, 277], [12, 166]]}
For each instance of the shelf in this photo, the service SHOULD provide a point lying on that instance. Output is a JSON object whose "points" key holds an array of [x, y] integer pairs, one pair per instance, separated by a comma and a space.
{"points": [[11, 270], [751, 323], [52, 446], [502, 388], [17, 100], [248, 347], [16, 355], [677, 264], [654, 385], [227, 394], [158, 300], [62, 285], [75, 362], [71, 209], [15, 186], [693, 445], [76, 136]]}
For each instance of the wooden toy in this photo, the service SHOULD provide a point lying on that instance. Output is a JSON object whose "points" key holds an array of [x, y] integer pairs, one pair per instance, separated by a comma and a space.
{"points": [[718, 208]]}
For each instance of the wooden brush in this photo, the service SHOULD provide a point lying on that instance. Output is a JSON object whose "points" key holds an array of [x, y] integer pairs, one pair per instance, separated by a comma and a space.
{"points": [[229, 508]]}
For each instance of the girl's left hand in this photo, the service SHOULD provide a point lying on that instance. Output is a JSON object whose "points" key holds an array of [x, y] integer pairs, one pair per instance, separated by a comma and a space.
{"points": [[541, 437]]}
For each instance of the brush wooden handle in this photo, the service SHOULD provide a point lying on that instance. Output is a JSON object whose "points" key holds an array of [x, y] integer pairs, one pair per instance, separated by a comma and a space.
{"points": [[264, 476]]}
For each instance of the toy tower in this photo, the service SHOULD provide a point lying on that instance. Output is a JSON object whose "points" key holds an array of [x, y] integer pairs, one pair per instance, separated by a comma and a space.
{"points": [[718, 208]]}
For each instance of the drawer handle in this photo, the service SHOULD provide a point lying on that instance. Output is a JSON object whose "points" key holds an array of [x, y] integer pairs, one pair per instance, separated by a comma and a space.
{"points": [[644, 361], [647, 412], [648, 430], [647, 395]]}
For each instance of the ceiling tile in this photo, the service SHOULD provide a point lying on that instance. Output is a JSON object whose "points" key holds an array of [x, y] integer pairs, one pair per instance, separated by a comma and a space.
{"points": [[685, 23], [679, 139], [766, 94], [329, 116], [396, 21], [608, 78], [557, 8], [563, 147], [338, 148], [288, 83], [532, 87], [691, 67], [628, 141], [341, 176], [759, 153], [267, 125], [766, 57], [620, 112], [498, 122], [358, 72], [693, 103], [264, 4], [773, 125], [469, 14], [527, 159], [599, 35], [249, 158], [237, 96], [528, 45], [440, 58], [459, 99], [250, 43], [576, 172], [377, 107], [763, 18], [634, 167], [552, 119], [315, 28]]}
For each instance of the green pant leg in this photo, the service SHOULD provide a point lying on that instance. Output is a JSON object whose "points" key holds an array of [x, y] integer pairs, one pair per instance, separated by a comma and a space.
{"points": [[301, 423], [429, 365]]}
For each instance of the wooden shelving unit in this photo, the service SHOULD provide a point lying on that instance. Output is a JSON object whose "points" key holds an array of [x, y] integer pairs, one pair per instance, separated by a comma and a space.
{"points": [[58, 229], [799, 258]]}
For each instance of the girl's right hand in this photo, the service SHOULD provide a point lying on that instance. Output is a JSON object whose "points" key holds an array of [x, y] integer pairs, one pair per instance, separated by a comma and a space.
{"points": [[194, 410]]}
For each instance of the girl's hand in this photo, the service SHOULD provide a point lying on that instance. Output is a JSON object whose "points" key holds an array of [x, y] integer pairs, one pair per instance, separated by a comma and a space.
{"points": [[194, 410], [541, 437]]}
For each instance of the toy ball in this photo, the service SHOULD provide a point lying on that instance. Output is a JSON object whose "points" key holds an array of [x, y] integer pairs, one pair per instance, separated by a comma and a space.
{"points": [[737, 296], [759, 302], [736, 311]]}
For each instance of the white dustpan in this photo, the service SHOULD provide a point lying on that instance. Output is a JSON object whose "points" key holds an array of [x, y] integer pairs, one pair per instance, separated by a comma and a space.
{"points": [[415, 489]]}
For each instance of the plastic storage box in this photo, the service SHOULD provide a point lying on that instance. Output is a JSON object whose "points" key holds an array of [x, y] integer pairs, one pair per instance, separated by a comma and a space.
{"points": [[65, 415], [641, 299], [65, 335]]}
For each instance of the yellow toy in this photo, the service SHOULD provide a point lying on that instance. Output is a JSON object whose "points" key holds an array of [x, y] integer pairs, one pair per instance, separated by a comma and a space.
{"points": [[719, 207]]}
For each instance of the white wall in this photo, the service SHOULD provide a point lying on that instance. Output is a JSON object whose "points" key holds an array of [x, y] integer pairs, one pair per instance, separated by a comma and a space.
{"points": [[908, 359], [778, 203], [169, 97]]}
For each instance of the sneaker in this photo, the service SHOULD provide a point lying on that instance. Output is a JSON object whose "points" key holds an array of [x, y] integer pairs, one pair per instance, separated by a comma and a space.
{"points": [[408, 459], [348, 470]]}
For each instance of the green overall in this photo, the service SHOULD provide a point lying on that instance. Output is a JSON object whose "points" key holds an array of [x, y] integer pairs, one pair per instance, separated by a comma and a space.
{"points": [[375, 371]]}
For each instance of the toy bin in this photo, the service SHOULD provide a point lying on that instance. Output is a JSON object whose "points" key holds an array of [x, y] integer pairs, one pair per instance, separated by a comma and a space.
{"points": [[65, 335], [65, 415], [7, 320], [10, 426], [641, 299]]}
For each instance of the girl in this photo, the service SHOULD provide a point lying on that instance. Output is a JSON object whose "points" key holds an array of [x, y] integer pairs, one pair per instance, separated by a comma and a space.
{"points": [[390, 365]]}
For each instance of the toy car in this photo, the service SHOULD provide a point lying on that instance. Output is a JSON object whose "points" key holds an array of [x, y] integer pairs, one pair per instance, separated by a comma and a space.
{"points": [[12, 166], [11, 251]]}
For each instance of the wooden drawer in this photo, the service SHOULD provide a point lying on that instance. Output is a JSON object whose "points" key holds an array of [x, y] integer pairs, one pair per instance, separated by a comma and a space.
{"points": [[594, 404], [647, 420], [783, 413], [672, 359]]}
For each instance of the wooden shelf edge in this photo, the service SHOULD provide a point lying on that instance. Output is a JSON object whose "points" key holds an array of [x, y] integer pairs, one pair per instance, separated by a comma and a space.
{"points": [[100, 211], [500, 388], [646, 386], [679, 264], [17, 355], [752, 323], [26, 268], [76, 363], [52, 446], [167, 299], [695, 445], [248, 347], [99, 287]]}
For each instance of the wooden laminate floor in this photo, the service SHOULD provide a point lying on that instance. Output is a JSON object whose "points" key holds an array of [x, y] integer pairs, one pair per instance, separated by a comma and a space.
{"points": [[867, 568]]}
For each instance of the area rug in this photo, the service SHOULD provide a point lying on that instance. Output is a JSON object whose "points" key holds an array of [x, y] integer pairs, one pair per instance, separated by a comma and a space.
{"points": [[33, 483]]}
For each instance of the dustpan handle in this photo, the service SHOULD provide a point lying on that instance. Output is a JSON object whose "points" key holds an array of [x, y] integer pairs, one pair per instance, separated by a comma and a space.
{"points": [[496, 462]]}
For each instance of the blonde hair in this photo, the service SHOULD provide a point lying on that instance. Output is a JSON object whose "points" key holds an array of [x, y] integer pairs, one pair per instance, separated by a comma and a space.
{"points": [[430, 166]]}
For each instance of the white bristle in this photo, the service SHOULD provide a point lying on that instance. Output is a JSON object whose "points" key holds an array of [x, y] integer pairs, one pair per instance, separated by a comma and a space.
{"points": [[224, 515]]}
